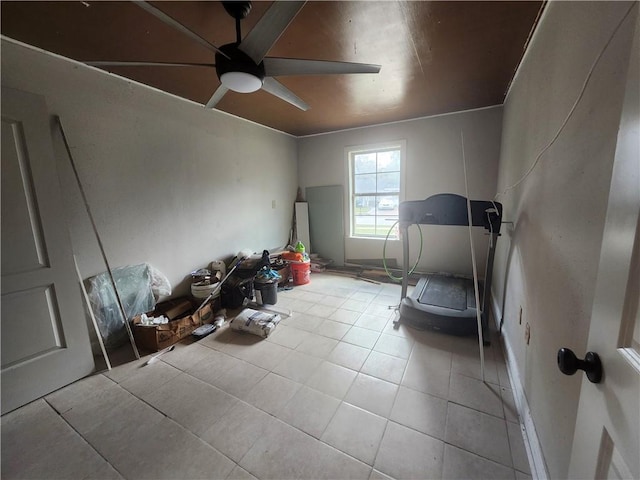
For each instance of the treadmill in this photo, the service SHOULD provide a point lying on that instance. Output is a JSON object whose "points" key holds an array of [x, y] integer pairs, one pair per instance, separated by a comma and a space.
{"points": [[444, 302]]}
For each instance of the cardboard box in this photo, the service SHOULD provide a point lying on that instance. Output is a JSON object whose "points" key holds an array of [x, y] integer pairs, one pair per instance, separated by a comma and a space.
{"points": [[182, 321]]}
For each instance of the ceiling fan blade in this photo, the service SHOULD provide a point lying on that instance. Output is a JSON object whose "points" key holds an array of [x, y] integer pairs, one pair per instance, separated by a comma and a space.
{"points": [[156, 12], [275, 67], [269, 28], [274, 87], [148, 64], [217, 96]]}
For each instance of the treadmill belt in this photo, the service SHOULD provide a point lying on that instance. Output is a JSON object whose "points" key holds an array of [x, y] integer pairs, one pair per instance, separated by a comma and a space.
{"points": [[446, 292]]}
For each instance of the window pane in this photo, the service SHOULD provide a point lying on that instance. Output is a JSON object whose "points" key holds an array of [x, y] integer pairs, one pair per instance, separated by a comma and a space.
{"points": [[364, 163], [365, 206], [364, 225], [365, 183], [389, 182], [387, 205], [389, 161]]}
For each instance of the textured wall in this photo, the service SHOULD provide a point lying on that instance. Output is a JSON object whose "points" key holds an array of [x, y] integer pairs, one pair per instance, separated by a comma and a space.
{"points": [[549, 260], [169, 182], [433, 165]]}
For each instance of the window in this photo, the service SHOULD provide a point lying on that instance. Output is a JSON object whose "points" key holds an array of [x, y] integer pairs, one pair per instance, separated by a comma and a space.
{"points": [[375, 189]]}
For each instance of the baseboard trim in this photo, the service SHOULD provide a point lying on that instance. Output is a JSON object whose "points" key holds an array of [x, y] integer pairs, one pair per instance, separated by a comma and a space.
{"points": [[531, 441]]}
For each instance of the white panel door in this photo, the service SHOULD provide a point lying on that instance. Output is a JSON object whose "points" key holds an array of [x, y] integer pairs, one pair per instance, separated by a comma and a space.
{"points": [[606, 441], [45, 341]]}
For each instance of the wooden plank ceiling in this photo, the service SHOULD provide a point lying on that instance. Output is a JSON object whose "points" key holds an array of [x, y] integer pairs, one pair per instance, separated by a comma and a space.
{"points": [[436, 56]]}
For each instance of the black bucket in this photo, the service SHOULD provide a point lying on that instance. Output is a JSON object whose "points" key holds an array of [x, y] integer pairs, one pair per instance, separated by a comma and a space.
{"points": [[266, 293]]}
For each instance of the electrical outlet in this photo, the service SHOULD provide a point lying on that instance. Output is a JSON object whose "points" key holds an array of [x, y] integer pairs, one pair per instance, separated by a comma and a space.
{"points": [[520, 316], [527, 333]]}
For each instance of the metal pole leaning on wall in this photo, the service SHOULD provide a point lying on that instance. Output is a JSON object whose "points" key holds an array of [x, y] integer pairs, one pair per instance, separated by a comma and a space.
{"points": [[473, 261], [95, 231]]}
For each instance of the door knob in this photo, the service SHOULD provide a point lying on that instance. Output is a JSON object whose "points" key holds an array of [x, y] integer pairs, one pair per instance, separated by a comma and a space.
{"points": [[569, 364]]}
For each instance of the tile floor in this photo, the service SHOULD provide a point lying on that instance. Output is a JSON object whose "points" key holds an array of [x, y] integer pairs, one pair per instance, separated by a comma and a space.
{"points": [[335, 392]]}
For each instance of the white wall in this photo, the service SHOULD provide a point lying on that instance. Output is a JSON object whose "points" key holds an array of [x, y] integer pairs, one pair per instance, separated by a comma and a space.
{"points": [[549, 261], [169, 182], [433, 165]]}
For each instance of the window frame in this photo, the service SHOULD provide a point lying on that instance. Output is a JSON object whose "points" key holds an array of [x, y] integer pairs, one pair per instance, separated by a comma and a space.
{"points": [[350, 153]]}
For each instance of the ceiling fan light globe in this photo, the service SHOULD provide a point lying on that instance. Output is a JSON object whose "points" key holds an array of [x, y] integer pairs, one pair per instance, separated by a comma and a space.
{"points": [[241, 82]]}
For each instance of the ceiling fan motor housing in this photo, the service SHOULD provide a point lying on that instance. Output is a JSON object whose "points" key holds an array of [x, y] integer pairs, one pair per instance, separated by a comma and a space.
{"points": [[238, 65]]}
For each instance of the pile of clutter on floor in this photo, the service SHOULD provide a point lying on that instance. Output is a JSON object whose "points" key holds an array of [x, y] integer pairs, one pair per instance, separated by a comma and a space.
{"points": [[243, 290]]}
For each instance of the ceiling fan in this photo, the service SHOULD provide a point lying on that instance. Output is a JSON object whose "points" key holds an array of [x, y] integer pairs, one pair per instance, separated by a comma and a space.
{"points": [[242, 66]]}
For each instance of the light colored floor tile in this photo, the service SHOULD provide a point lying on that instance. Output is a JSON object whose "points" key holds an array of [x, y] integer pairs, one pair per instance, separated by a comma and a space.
{"points": [[376, 475], [518, 451], [509, 405], [478, 432], [400, 330], [372, 322], [469, 365], [113, 409], [298, 366], [272, 393], [422, 412], [184, 356], [370, 287], [305, 322], [38, 443], [522, 476], [338, 291], [323, 311], [239, 379], [394, 345], [310, 411], [462, 464], [170, 452], [503, 375], [384, 366], [380, 310], [318, 346], [213, 365], [121, 372], [236, 432], [355, 432], [82, 390], [266, 355], [372, 394], [288, 336], [345, 316], [475, 394], [421, 376], [284, 452], [350, 356], [235, 343], [363, 296], [190, 402], [361, 337], [407, 454], [109, 422], [331, 301], [332, 329], [354, 305], [434, 357], [332, 379], [239, 473], [149, 378], [386, 300], [311, 297]]}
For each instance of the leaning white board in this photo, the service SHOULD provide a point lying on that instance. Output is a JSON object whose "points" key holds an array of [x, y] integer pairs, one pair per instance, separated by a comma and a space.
{"points": [[302, 225]]}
